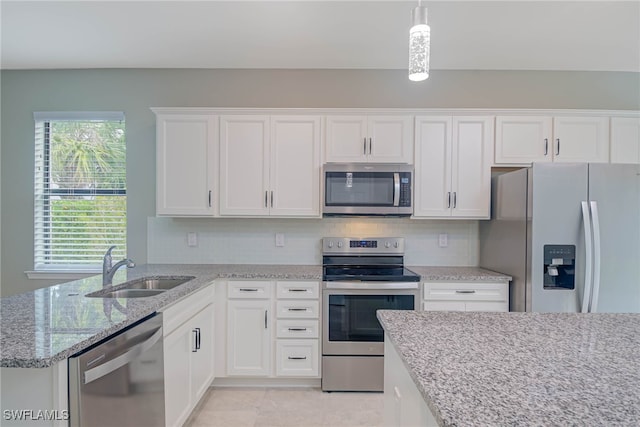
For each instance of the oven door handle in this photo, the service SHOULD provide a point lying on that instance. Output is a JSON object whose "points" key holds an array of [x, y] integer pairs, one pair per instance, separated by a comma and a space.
{"points": [[372, 285], [396, 189]]}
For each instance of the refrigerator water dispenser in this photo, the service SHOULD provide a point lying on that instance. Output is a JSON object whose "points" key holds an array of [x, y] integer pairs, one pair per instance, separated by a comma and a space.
{"points": [[559, 266]]}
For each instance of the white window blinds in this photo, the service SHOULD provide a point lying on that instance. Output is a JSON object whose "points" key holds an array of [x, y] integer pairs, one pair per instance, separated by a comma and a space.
{"points": [[80, 189]]}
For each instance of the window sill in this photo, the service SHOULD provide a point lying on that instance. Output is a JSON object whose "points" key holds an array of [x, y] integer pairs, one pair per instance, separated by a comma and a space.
{"points": [[60, 274]]}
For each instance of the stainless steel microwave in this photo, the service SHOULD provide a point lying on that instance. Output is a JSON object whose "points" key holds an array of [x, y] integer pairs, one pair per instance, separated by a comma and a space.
{"points": [[366, 189]]}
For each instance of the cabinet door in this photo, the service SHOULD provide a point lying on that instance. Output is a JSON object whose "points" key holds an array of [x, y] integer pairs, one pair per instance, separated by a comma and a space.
{"points": [[521, 140], [487, 306], [244, 165], [186, 159], [295, 166], [346, 139], [625, 140], [471, 155], [432, 184], [391, 139], [177, 378], [249, 337], [202, 357], [581, 139]]}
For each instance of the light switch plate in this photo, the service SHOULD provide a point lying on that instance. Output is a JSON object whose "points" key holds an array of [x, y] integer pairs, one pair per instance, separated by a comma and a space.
{"points": [[443, 240], [192, 239], [279, 240]]}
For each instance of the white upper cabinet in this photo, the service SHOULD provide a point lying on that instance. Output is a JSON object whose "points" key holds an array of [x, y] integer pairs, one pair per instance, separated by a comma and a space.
{"points": [[295, 166], [244, 165], [270, 165], [374, 139], [581, 139], [521, 140], [186, 164], [625, 140], [453, 167]]}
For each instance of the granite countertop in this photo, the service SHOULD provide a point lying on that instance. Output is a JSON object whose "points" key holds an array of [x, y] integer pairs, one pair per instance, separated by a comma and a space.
{"points": [[522, 369], [469, 274], [45, 326]]}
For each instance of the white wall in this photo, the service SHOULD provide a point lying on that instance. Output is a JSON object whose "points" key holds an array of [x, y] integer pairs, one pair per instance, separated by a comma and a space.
{"points": [[252, 241]]}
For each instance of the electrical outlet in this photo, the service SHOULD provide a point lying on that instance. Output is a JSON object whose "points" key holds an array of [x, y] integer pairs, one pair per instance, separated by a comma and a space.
{"points": [[192, 239], [279, 240], [443, 240]]}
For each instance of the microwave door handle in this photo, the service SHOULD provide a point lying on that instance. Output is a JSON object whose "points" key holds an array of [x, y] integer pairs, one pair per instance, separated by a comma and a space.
{"points": [[396, 189]]}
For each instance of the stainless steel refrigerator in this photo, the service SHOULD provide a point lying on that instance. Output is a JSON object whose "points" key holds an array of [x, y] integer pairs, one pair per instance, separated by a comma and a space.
{"points": [[569, 235]]}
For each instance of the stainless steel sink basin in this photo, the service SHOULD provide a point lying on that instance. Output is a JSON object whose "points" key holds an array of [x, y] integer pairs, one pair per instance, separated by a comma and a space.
{"points": [[140, 288], [164, 283], [127, 293]]}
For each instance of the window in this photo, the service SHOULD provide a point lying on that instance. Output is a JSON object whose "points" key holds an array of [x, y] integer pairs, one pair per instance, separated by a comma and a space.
{"points": [[80, 189]]}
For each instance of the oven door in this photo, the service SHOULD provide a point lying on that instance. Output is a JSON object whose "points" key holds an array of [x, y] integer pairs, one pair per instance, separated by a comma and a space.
{"points": [[350, 325]]}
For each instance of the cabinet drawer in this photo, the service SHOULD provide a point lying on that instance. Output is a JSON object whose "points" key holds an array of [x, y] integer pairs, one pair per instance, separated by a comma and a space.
{"points": [[297, 309], [297, 328], [466, 291], [249, 289], [297, 358], [298, 290], [443, 306], [486, 306]]}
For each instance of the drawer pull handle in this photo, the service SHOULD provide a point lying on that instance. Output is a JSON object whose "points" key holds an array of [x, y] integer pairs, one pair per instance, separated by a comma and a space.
{"points": [[248, 290], [297, 309], [297, 329], [297, 358], [297, 290], [465, 292]]}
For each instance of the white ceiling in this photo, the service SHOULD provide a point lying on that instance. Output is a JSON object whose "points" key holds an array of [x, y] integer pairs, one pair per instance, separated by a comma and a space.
{"points": [[466, 35]]}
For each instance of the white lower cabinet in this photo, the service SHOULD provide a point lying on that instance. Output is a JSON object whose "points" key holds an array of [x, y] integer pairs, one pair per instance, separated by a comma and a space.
{"points": [[272, 329], [188, 354], [404, 406], [466, 296], [249, 337], [297, 358]]}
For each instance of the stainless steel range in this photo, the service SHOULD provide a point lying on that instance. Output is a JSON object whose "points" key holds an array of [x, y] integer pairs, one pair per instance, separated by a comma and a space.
{"points": [[360, 276]]}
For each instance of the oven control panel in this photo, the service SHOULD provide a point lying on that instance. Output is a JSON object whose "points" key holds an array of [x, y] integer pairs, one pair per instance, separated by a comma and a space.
{"points": [[367, 245]]}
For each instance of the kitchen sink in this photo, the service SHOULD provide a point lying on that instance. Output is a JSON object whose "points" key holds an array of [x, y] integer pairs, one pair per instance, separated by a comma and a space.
{"points": [[127, 293], [140, 288], [156, 282]]}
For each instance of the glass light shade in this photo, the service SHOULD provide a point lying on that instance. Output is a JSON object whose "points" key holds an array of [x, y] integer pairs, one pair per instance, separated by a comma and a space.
{"points": [[419, 41]]}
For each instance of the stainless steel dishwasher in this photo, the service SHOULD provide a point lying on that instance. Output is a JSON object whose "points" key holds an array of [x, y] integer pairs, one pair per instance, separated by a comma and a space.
{"points": [[120, 381]]}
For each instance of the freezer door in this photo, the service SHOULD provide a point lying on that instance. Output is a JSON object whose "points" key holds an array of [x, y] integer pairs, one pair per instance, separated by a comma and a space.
{"points": [[558, 191], [615, 189]]}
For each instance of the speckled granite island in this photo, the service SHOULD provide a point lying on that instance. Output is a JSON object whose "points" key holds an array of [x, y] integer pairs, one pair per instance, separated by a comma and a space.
{"points": [[514, 369]]}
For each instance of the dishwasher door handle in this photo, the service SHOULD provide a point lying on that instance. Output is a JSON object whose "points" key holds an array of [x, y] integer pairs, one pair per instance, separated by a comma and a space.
{"points": [[117, 362]]}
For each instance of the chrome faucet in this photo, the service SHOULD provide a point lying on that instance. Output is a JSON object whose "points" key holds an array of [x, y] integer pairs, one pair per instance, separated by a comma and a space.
{"points": [[108, 270]]}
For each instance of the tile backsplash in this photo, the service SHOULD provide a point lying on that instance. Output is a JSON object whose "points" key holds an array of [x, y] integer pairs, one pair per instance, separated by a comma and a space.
{"points": [[252, 241]]}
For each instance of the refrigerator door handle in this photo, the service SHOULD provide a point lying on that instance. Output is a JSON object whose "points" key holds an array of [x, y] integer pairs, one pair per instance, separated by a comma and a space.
{"points": [[588, 279], [595, 219]]}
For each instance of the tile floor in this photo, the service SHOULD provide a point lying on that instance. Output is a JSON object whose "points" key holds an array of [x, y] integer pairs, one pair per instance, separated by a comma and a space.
{"points": [[239, 407]]}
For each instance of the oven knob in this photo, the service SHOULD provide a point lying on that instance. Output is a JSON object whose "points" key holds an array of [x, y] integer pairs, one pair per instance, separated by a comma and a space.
{"points": [[330, 244], [387, 244], [396, 244], [339, 244]]}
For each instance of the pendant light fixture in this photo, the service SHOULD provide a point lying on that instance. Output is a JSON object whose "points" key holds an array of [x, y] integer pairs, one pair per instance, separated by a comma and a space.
{"points": [[419, 41]]}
